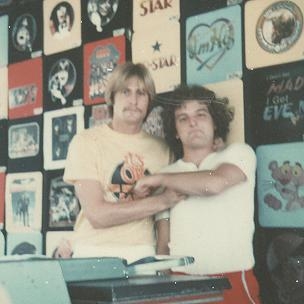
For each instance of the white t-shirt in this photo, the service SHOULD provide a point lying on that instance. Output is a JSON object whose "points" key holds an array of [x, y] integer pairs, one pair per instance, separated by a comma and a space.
{"points": [[216, 230]]}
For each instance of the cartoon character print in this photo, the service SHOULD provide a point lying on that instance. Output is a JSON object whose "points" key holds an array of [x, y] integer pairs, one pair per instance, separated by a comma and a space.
{"points": [[125, 176], [283, 27], [289, 183], [101, 12], [61, 20], [62, 80], [23, 36], [102, 62], [24, 33], [154, 123], [21, 96]]}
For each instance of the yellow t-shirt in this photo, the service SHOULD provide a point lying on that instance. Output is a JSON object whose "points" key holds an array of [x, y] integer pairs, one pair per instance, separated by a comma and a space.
{"points": [[116, 160]]}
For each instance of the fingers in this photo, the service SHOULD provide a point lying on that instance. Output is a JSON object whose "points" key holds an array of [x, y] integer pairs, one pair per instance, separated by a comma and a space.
{"points": [[182, 196], [173, 197], [64, 250], [141, 190]]}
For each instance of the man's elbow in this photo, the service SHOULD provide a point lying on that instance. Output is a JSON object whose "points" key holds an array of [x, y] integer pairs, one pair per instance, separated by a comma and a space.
{"points": [[220, 186], [214, 189], [209, 191], [98, 223]]}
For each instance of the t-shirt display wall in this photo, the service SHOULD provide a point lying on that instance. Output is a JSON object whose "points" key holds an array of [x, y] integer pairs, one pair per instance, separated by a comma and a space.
{"points": [[56, 57]]}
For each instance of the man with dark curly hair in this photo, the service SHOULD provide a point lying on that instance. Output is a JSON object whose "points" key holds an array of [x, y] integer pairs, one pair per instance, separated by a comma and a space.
{"points": [[215, 223]]}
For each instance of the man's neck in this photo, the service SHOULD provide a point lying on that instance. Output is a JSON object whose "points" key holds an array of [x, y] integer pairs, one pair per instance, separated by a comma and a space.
{"points": [[196, 156], [125, 128]]}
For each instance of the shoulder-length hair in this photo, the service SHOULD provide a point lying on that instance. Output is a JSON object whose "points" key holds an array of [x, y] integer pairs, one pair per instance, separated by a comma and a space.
{"points": [[120, 75]]}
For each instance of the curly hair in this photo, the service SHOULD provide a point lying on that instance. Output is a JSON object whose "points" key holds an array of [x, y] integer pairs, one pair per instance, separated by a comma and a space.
{"points": [[222, 114]]}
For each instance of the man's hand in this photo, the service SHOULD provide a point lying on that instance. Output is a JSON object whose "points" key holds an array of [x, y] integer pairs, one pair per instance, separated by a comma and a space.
{"points": [[64, 250], [146, 185], [172, 197]]}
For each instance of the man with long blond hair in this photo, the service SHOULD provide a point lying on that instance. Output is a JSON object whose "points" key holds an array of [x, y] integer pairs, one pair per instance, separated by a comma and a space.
{"points": [[104, 163]]}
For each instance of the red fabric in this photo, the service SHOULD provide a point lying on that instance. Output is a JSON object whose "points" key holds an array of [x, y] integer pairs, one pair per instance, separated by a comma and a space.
{"points": [[237, 294]]}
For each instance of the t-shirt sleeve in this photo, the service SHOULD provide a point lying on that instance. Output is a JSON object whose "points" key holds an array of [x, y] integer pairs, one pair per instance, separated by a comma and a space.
{"points": [[243, 156], [162, 215], [81, 161]]}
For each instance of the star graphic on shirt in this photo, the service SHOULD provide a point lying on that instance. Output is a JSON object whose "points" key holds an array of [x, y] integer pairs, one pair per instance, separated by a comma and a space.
{"points": [[156, 46]]}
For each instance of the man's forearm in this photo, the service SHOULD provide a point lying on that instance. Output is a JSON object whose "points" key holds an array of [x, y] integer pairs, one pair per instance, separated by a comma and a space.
{"points": [[192, 183], [205, 182], [109, 214]]}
